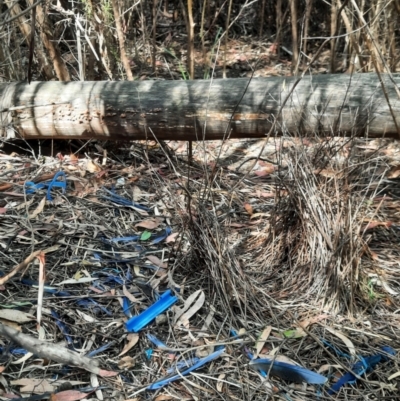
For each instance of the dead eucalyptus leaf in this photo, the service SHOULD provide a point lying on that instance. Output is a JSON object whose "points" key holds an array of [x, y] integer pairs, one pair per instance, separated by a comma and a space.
{"points": [[133, 339], [347, 341], [192, 304], [39, 209], [261, 340]]}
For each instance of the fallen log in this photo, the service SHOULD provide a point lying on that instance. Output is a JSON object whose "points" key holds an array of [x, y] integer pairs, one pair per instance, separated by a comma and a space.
{"points": [[195, 110]]}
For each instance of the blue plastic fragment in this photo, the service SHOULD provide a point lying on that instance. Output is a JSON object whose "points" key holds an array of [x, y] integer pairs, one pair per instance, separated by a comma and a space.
{"points": [[165, 301], [247, 352], [183, 364], [63, 327], [158, 343], [149, 353], [126, 307], [31, 187], [14, 351], [133, 238], [365, 365], [100, 349], [123, 201], [93, 305], [288, 372], [163, 382], [161, 236], [155, 238]]}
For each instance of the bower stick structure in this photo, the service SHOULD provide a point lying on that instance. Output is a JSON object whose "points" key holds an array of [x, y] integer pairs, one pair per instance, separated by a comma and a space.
{"points": [[328, 105]]}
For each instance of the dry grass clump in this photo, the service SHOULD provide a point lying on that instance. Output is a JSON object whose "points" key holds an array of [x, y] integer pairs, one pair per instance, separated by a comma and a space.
{"points": [[312, 247]]}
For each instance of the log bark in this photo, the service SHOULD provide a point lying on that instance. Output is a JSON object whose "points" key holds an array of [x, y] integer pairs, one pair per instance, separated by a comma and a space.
{"points": [[196, 110]]}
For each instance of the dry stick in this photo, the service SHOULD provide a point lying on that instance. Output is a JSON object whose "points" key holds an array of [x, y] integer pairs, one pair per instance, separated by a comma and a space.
{"points": [[154, 35], [376, 66], [53, 352], [190, 66], [202, 36], [20, 266], [31, 45], [226, 38], [190, 26], [124, 58], [32, 6], [334, 26], [295, 35], [262, 12], [307, 24]]}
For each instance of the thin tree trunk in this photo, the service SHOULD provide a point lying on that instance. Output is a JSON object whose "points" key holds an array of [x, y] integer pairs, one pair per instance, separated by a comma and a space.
{"points": [[121, 41], [46, 34]]}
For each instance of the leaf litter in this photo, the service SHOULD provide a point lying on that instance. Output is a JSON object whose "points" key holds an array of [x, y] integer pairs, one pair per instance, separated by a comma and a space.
{"points": [[301, 260]]}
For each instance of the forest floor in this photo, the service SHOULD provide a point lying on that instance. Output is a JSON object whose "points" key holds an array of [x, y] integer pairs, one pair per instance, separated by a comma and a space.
{"points": [[285, 250]]}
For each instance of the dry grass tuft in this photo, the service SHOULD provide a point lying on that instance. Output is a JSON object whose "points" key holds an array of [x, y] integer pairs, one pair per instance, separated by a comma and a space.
{"points": [[312, 246]]}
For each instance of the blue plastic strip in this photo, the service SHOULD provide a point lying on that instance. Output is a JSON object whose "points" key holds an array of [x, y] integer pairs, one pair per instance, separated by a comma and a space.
{"points": [[289, 372], [365, 365], [63, 327], [100, 349], [123, 201], [31, 187], [136, 323], [247, 352], [126, 307], [158, 343], [59, 184], [161, 383], [187, 363]]}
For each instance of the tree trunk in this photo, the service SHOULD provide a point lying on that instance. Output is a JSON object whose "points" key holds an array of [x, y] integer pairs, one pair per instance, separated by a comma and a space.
{"points": [[195, 110]]}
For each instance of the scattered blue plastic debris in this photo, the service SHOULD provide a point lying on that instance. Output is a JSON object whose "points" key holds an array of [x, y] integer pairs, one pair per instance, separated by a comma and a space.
{"points": [[100, 349], [93, 305], [123, 201], [14, 351], [63, 327], [154, 239], [158, 343], [163, 382], [149, 353], [187, 363], [288, 372], [31, 187], [365, 365], [84, 303], [126, 307], [247, 352], [165, 301], [47, 289]]}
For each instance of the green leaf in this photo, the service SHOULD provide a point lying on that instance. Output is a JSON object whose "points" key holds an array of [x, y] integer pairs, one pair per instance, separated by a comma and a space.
{"points": [[294, 333], [145, 235]]}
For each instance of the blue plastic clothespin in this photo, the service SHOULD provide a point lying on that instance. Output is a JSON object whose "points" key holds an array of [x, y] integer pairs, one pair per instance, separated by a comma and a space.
{"points": [[31, 187]]}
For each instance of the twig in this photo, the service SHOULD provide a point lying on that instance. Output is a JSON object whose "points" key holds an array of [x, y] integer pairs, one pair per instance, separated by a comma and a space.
{"points": [[53, 351]]}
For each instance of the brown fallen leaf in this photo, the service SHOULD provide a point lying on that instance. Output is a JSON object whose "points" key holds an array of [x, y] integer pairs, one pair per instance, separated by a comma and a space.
{"points": [[171, 238], [126, 362], [150, 224], [394, 172], [373, 224], [37, 386], [68, 395], [249, 208], [156, 261], [132, 338]]}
